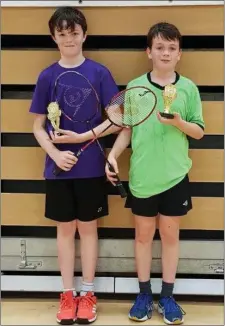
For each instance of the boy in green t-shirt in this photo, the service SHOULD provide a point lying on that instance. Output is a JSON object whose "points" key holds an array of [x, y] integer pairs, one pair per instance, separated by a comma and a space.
{"points": [[159, 166]]}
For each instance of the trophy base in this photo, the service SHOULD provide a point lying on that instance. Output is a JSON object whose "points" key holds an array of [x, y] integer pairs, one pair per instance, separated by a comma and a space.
{"points": [[167, 115]]}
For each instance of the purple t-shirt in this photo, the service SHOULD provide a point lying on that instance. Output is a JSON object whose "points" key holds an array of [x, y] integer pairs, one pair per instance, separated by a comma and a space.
{"points": [[91, 163]]}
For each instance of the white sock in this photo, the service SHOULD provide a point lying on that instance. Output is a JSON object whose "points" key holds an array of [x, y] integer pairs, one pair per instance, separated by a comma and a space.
{"points": [[86, 287], [73, 289]]}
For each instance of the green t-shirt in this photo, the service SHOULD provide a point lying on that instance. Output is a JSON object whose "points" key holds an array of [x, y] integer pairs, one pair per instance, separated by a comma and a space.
{"points": [[159, 158]]}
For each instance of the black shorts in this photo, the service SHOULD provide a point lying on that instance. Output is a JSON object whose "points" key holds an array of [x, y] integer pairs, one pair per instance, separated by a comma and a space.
{"points": [[175, 201], [70, 199]]}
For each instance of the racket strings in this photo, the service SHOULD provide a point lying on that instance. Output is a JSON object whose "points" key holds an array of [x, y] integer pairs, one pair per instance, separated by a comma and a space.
{"points": [[72, 99], [131, 107]]}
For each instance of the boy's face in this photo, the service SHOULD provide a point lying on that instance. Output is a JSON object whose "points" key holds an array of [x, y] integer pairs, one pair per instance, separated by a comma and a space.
{"points": [[164, 54], [70, 42]]}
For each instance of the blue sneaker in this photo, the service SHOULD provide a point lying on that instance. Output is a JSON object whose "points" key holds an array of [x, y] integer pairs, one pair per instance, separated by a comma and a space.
{"points": [[171, 311], [142, 308]]}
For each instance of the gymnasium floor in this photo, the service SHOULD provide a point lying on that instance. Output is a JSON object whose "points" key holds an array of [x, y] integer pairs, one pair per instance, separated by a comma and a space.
{"points": [[110, 312]]}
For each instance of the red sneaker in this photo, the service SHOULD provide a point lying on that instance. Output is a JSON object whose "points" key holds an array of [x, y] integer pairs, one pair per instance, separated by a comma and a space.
{"points": [[67, 312], [87, 309]]}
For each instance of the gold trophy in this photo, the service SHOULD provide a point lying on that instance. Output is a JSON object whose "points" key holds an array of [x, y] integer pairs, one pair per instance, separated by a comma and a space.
{"points": [[169, 94], [54, 114]]}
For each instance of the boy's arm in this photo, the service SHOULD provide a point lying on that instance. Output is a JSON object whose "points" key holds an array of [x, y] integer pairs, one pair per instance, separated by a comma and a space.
{"points": [[64, 159], [42, 137], [121, 143], [191, 129], [41, 97], [68, 136], [98, 131], [194, 126]]}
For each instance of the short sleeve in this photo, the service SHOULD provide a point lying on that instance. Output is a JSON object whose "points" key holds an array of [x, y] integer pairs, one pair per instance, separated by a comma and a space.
{"points": [[195, 114], [108, 88], [41, 96]]}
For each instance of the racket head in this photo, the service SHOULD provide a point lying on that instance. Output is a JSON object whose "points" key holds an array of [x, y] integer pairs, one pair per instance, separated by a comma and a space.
{"points": [[74, 97], [131, 106]]}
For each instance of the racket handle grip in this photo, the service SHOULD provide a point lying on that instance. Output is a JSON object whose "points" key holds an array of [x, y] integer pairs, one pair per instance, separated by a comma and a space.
{"points": [[57, 170], [121, 189], [119, 184]]}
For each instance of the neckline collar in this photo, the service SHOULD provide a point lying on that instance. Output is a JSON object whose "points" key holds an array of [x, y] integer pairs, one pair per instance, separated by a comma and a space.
{"points": [[159, 86]]}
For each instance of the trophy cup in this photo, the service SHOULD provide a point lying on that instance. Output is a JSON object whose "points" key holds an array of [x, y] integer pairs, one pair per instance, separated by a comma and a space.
{"points": [[54, 114], [169, 94]]}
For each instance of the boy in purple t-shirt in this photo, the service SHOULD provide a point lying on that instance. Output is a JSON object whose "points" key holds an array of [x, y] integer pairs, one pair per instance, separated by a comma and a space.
{"points": [[77, 197]]}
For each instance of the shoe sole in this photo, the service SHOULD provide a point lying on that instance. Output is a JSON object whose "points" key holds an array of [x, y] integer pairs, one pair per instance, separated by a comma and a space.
{"points": [[85, 321], [66, 321], [139, 320], [166, 321]]}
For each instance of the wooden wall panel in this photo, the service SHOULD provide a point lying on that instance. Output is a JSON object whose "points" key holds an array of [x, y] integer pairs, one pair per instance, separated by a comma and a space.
{"points": [[18, 66], [22, 163], [208, 165], [28, 210], [15, 116], [213, 113], [207, 20], [22, 121]]}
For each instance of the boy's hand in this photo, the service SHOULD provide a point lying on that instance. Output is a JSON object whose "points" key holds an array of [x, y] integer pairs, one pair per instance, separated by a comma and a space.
{"points": [[176, 121], [66, 136], [65, 160], [111, 175]]}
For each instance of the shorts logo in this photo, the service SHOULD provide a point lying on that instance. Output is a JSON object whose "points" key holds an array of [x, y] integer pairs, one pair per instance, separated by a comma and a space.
{"points": [[99, 209], [185, 203]]}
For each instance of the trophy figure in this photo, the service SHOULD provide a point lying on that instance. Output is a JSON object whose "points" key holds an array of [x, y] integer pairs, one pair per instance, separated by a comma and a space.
{"points": [[54, 114], [169, 94]]}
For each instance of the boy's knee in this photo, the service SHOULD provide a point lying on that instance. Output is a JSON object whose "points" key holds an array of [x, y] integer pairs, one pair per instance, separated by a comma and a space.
{"points": [[168, 235], [145, 235], [87, 228], [66, 228]]}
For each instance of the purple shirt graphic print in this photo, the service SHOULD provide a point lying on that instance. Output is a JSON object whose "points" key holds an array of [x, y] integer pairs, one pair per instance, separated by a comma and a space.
{"points": [[79, 104]]}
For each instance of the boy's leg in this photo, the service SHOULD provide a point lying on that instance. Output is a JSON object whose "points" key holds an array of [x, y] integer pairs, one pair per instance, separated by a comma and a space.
{"points": [[169, 233], [66, 252], [87, 310], [175, 202], [145, 211], [144, 233], [93, 204], [60, 206], [89, 252]]}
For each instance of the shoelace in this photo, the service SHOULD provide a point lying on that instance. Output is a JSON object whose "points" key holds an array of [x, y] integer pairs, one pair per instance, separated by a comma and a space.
{"points": [[65, 303], [171, 305], [141, 301], [86, 302], [76, 300]]}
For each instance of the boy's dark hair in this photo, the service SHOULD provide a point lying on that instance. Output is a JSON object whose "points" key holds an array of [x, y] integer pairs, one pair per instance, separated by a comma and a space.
{"points": [[166, 31], [71, 16]]}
